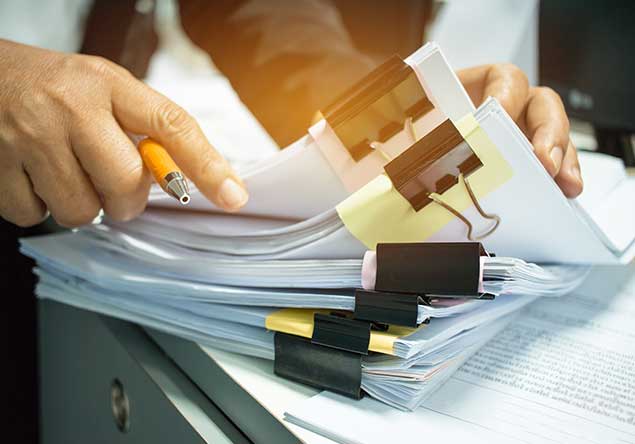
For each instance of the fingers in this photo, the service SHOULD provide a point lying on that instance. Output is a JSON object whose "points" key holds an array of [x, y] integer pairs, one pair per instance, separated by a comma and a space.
{"points": [[547, 128], [538, 111], [505, 82], [142, 110], [569, 179], [113, 164], [60, 182], [18, 202]]}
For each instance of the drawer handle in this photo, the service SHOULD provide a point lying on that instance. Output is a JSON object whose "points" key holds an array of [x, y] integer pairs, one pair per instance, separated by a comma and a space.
{"points": [[120, 405]]}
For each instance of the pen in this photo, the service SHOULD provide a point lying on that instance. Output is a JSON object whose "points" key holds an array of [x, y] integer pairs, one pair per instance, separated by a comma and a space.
{"points": [[165, 172]]}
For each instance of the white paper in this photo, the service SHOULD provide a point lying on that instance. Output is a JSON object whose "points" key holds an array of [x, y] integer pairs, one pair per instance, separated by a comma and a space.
{"points": [[295, 183], [538, 223], [563, 372]]}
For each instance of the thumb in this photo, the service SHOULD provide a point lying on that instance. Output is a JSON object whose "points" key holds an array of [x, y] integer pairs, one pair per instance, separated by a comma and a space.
{"points": [[142, 110]]}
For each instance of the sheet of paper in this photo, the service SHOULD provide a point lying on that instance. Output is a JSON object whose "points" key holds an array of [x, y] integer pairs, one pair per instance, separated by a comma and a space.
{"points": [[311, 185], [380, 200], [614, 215], [598, 229], [563, 372], [537, 222], [601, 175], [188, 78], [442, 88], [232, 129], [295, 183]]}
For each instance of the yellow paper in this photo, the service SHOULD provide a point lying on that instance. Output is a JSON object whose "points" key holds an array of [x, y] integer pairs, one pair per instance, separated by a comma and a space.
{"points": [[299, 322], [379, 213]]}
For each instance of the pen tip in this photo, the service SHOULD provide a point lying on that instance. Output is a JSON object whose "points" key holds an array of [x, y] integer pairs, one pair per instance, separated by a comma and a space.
{"points": [[184, 199], [177, 188]]}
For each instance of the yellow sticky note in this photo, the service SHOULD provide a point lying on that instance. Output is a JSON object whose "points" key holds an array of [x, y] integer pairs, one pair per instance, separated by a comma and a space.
{"points": [[379, 213], [299, 322], [294, 321]]}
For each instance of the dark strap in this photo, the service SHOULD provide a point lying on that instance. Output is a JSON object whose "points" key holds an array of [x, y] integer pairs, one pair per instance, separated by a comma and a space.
{"points": [[121, 32]]}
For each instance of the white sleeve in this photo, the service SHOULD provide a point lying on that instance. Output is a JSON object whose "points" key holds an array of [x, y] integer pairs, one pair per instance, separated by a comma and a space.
{"points": [[51, 24]]}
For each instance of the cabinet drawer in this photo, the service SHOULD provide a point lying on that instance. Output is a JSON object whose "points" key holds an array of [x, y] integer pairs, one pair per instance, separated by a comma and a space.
{"points": [[105, 380]]}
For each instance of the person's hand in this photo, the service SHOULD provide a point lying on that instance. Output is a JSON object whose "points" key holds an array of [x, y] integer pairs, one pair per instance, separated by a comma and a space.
{"points": [[64, 147], [538, 111]]}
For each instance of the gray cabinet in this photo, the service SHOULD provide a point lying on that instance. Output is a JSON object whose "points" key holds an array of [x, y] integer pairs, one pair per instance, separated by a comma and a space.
{"points": [[105, 381]]}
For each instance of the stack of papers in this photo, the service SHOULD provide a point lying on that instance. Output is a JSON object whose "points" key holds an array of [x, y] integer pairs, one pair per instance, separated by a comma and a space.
{"points": [[221, 302], [293, 264], [554, 374], [75, 269]]}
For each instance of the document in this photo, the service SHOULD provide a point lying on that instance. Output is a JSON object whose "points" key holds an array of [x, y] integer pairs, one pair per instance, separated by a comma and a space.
{"points": [[290, 283], [563, 371], [313, 174], [401, 383], [528, 201]]}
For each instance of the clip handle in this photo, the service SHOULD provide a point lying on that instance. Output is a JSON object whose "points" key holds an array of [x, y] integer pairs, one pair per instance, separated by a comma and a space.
{"points": [[387, 308], [438, 268], [342, 333]]}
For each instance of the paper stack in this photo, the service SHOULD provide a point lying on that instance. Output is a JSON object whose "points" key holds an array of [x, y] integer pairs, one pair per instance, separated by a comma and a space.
{"points": [[350, 279], [83, 270]]}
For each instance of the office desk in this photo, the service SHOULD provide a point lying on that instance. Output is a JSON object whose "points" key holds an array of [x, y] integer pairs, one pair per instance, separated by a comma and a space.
{"points": [[107, 380]]}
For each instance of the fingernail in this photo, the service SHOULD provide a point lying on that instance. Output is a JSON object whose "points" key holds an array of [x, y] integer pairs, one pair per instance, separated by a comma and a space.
{"points": [[556, 155], [232, 195], [575, 173]]}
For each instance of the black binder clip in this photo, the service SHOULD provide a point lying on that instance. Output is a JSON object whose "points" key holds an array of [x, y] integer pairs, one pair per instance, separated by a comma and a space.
{"points": [[299, 359], [341, 333], [434, 164], [331, 359], [376, 108], [387, 308], [429, 268]]}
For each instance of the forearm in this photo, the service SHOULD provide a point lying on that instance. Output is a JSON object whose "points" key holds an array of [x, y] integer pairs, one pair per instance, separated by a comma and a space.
{"points": [[285, 62]]}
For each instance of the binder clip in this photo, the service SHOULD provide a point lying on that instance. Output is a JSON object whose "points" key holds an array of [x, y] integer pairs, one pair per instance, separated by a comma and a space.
{"points": [[378, 107], [387, 307], [300, 360], [444, 268], [341, 333], [331, 359], [434, 164]]}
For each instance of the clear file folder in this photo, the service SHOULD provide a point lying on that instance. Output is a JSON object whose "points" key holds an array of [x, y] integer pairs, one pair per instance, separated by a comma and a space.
{"points": [[537, 224]]}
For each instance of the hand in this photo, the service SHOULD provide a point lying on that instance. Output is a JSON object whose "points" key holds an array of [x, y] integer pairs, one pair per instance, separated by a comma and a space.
{"points": [[538, 111], [63, 146]]}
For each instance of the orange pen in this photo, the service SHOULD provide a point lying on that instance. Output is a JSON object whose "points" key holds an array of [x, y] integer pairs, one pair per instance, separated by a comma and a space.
{"points": [[166, 173]]}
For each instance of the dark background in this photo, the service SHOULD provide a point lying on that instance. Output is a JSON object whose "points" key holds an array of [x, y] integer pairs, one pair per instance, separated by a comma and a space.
{"points": [[19, 353]]}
